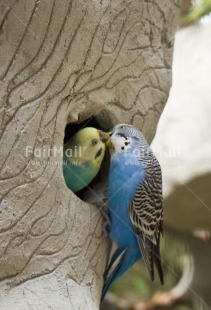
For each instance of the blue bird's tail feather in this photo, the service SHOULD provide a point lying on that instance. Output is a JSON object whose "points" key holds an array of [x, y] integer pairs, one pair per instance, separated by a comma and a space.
{"points": [[111, 273], [121, 261]]}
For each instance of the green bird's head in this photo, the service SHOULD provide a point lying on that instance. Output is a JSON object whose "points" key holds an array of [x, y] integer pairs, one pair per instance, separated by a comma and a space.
{"points": [[87, 145]]}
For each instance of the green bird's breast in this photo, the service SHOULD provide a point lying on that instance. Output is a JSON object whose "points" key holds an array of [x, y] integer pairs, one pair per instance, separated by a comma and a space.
{"points": [[78, 176]]}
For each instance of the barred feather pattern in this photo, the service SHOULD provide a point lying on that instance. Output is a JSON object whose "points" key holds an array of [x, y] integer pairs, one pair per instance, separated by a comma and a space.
{"points": [[146, 207]]}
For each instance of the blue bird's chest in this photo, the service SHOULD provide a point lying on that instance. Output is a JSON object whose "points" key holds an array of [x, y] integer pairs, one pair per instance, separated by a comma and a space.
{"points": [[126, 173]]}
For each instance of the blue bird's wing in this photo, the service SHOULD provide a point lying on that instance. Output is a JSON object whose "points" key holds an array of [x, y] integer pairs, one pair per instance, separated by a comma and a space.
{"points": [[146, 214]]}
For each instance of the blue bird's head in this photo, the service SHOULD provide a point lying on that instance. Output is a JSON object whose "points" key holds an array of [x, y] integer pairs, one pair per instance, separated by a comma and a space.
{"points": [[124, 138]]}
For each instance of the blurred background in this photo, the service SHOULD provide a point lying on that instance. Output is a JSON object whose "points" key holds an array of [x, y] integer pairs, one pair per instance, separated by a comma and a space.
{"points": [[183, 147]]}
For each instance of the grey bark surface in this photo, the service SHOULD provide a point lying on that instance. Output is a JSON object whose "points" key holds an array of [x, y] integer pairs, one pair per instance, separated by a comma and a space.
{"points": [[65, 61]]}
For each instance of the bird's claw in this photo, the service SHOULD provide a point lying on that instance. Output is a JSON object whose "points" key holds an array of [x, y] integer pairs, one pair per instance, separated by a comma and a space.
{"points": [[107, 222], [106, 226]]}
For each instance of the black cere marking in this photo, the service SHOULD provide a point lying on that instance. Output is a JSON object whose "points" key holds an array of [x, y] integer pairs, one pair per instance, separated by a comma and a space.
{"points": [[98, 153], [122, 135], [122, 148], [126, 143]]}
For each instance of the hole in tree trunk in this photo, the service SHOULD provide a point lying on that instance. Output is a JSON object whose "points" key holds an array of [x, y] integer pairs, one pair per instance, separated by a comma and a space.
{"points": [[95, 190]]}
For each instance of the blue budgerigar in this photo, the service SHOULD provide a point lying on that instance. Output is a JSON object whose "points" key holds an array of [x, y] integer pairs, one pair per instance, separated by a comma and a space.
{"points": [[135, 202]]}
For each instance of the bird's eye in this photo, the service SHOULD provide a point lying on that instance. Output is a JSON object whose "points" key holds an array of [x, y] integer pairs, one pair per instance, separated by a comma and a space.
{"points": [[94, 141], [121, 127]]}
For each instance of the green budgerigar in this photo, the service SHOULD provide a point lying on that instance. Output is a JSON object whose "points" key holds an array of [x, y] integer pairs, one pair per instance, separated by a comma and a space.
{"points": [[83, 156]]}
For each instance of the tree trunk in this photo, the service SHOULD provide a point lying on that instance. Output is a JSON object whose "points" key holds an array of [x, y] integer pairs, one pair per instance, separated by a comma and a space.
{"points": [[65, 61]]}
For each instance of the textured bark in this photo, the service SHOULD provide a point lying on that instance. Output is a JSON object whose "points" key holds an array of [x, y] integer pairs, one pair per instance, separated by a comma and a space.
{"points": [[65, 61]]}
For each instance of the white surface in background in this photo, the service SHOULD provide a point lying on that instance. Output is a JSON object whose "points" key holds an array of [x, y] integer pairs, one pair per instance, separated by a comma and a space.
{"points": [[183, 140]]}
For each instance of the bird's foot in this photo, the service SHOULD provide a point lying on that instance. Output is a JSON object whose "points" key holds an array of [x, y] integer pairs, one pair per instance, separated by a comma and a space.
{"points": [[103, 208], [106, 224]]}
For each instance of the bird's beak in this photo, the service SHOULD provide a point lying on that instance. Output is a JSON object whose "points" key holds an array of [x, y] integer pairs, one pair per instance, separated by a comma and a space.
{"points": [[109, 144], [104, 136]]}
